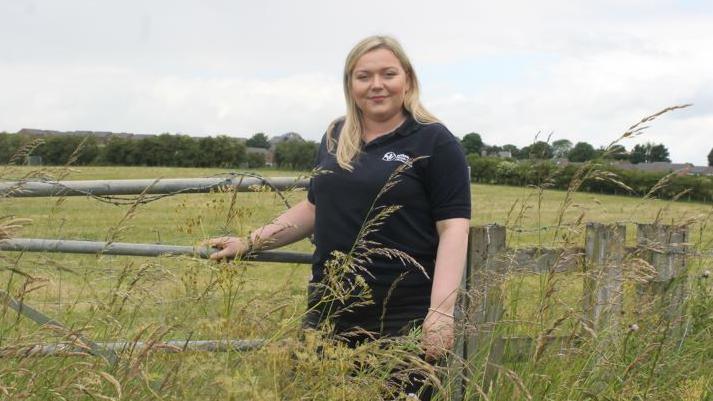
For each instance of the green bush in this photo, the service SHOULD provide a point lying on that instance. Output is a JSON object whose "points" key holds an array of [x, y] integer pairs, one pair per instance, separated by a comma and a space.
{"points": [[296, 154], [491, 170], [256, 160]]}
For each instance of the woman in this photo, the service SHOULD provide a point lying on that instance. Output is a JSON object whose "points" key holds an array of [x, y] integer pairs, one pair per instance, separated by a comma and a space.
{"points": [[410, 260]]}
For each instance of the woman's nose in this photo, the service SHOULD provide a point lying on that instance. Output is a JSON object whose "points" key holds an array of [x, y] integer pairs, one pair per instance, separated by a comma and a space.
{"points": [[376, 82]]}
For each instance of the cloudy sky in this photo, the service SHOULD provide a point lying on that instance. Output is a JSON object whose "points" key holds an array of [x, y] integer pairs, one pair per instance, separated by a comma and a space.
{"points": [[581, 70]]}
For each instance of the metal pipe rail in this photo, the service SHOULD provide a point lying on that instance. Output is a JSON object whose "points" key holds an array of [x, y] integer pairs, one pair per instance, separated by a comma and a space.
{"points": [[21, 189], [172, 346], [41, 319], [132, 249]]}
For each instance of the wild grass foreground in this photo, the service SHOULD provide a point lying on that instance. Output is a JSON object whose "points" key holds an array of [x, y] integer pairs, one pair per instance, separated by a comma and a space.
{"points": [[108, 298]]}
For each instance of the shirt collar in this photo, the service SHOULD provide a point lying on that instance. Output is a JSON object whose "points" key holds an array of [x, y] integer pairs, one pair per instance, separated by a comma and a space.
{"points": [[408, 127]]}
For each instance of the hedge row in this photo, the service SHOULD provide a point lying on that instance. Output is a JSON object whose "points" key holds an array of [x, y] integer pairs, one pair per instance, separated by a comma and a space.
{"points": [[161, 150], [605, 179]]}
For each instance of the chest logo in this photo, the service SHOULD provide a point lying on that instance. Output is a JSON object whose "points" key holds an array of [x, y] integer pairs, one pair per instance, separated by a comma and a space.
{"points": [[391, 156]]}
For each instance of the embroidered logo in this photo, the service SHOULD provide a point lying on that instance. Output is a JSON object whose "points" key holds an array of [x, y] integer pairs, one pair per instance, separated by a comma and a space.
{"points": [[391, 156]]}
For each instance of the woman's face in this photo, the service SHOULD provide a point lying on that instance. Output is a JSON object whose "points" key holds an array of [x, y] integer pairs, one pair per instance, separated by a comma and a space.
{"points": [[379, 85]]}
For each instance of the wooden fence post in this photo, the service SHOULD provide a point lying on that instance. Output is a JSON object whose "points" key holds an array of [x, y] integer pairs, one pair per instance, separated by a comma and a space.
{"points": [[457, 363], [457, 366], [604, 253], [486, 245], [664, 247]]}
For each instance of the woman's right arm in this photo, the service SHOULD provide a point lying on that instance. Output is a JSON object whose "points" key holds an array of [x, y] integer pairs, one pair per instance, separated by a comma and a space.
{"points": [[293, 225]]}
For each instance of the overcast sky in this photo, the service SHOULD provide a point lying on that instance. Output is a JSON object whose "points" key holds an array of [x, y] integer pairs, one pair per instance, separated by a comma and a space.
{"points": [[581, 70]]}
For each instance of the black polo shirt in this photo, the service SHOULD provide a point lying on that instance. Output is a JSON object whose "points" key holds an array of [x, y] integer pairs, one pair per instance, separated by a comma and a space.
{"points": [[435, 187]]}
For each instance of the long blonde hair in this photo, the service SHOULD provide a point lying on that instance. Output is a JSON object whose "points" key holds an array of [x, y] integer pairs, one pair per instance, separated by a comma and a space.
{"points": [[348, 145]]}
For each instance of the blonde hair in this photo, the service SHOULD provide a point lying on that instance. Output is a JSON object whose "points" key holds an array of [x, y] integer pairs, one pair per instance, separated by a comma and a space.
{"points": [[348, 145]]}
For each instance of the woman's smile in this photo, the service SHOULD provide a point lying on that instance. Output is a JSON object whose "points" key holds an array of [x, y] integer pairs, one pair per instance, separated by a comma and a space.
{"points": [[379, 85]]}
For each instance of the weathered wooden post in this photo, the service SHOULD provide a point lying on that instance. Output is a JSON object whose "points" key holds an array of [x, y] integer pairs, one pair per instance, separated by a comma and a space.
{"points": [[664, 247], [457, 363], [604, 253], [486, 248]]}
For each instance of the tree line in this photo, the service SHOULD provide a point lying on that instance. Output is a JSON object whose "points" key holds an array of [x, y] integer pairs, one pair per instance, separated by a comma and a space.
{"points": [[530, 165], [536, 165], [224, 151], [608, 180], [161, 150], [579, 152]]}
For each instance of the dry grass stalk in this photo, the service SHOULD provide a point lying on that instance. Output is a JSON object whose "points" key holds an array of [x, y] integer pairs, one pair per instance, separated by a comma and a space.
{"points": [[517, 381], [115, 231], [544, 337], [11, 225]]}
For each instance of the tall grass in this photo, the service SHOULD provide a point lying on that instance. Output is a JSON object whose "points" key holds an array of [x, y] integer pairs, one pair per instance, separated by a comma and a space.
{"points": [[106, 298]]}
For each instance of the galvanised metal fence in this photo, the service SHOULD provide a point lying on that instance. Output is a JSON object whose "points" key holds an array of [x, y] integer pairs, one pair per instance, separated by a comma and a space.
{"points": [[481, 305]]}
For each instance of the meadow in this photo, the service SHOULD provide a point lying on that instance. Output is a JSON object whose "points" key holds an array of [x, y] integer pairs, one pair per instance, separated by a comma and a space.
{"points": [[107, 298]]}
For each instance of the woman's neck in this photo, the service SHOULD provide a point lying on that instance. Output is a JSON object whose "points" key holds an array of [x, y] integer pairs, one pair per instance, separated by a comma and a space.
{"points": [[374, 129]]}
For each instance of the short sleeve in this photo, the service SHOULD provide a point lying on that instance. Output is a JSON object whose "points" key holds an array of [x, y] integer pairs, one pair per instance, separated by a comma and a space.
{"points": [[317, 161], [449, 181]]}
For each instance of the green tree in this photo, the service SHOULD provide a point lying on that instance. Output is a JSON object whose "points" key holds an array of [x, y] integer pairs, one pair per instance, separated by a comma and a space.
{"points": [[582, 152], [89, 152], [187, 152], [296, 154], [491, 149], [514, 151], [483, 169], [258, 140], [228, 152], [59, 149], [472, 143], [149, 151], [9, 144], [617, 152], [119, 151], [649, 153], [561, 148], [659, 153], [524, 153], [207, 147], [256, 160], [638, 154], [540, 150], [710, 157]]}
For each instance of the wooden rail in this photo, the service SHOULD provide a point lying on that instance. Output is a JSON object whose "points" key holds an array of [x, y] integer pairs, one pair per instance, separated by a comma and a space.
{"points": [[601, 261]]}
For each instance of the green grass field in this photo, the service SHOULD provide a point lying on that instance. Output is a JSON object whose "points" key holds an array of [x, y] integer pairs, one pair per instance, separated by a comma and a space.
{"points": [[109, 298]]}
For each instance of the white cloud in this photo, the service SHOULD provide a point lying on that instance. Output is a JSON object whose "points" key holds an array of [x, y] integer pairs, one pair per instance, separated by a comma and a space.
{"points": [[585, 70], [72, 97]]}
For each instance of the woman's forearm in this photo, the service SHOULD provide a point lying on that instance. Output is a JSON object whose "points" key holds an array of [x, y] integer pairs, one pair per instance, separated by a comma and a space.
{"points": [[291, 226], [450, 262]]}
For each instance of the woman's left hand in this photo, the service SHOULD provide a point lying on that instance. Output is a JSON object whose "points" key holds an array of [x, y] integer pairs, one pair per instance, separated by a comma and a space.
{"points": [[438, 334]]}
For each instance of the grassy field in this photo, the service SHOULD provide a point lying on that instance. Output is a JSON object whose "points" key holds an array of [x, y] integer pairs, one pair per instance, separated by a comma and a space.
{"points": [[110, 298]]}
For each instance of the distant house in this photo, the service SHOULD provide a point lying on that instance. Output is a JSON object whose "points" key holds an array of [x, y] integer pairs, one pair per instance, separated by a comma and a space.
{"points": [[278, 139], [666, 167], [702, 170], [290, 136], [663, 167], [561, 161], [502, 154]]}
